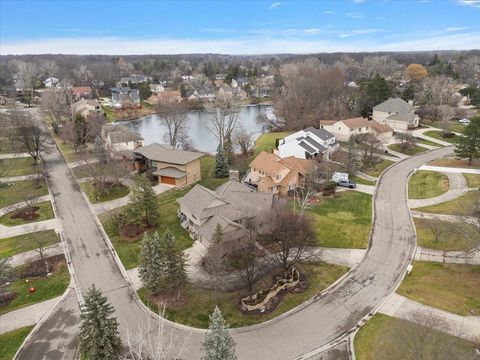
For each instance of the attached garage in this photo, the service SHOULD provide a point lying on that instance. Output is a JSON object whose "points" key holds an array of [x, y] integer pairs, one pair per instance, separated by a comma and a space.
{"points": [[171, 176], [168, 180]]}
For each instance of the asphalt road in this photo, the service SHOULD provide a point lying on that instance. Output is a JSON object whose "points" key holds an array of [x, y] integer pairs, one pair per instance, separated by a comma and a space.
{"points": [[289, 337]]}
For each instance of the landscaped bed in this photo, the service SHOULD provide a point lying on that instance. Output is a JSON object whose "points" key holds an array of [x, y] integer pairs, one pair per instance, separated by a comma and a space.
{"points": [[450, 287], [427, 184], [20, 190], [465, 205], [410, 151], [26, 242], [443, 235], [377, 169], [11, 341], [344, 220], [113, 192], [197, 303], [33, 275], [384, 337], [37, 212], [20, 166]]}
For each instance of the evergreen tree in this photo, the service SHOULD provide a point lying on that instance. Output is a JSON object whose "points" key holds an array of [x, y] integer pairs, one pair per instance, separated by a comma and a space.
{"points": [[352, 161], [469, 144], [100, 151], [373, 92], [218, 344], [217, 236], [408, 93], [143, 203], [144, 90], [99, 337], [221, 166], [175, 275]]}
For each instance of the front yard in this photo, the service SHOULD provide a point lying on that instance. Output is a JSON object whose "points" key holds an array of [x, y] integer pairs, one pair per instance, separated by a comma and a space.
{"points": [[455, 162], [414, 150], [26, 242], [450, 287], [465, 205], [473, 180], [37, 212], [377, 169], [438, 135], [11, 341], [427, 184], [343, 221], [112, 193], [359, 180], [20, 190], [20, 166], [266, 142]]}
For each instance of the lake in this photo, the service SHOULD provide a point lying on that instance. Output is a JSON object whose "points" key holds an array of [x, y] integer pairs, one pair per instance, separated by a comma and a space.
{"points": [[153, 129]]}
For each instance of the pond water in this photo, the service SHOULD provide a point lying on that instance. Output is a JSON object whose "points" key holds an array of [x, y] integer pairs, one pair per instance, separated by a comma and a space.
{"points": [[153, 129]]}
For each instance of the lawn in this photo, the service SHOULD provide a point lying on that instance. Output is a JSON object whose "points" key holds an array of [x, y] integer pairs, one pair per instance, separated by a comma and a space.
{"points": [[21, 243], [343, 221], [473, 180], [113, 192], [412, 151], [360, 180], [200, 302], [377, 169], [11, 341], [426, 142], [46, 288], [266, 142], [20, 166], [21, 190], [450, 287], [69, 152], [465, 205], [45, 212], [455, 162], [427, 184], [7, 148], [438, 135], [384, 337], [207, 164], [110, 113], [459, 236]]}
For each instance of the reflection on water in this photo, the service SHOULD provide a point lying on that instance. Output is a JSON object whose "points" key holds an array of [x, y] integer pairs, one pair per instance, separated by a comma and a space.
{"points": [[153, 129]]}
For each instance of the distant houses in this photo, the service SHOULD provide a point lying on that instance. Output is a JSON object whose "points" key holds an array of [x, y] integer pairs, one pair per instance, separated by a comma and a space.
{"points": [[345, 129], [86, 107], [396, 113], [118, 138], [125, 97], [166, 96]]}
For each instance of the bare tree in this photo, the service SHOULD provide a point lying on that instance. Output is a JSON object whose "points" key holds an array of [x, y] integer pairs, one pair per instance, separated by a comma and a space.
{"points": [[27, 77], [244, 141], [369, 146], [116, 169], [7, 275], [223, 122], [407, 141], [437, 91], [33, 139], [55, 105], [82, 130], [437, 228], [174, 116]]}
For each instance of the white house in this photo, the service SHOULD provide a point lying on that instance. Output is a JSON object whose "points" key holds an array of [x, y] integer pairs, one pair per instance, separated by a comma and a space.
{"points": [[156, 88], [396, 113], [345, 129], [119, 138], [307, 143], [51, 82]]}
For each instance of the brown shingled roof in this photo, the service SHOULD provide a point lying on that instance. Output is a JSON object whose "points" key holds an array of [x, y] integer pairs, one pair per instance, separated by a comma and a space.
{"points": [[379, 128]]}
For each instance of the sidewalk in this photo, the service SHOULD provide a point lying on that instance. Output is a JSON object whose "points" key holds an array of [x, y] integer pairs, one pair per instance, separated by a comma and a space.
{"points": [[450, 257], [14, 155], [465, 327], [419, 134], [443, 217], [367, 177], [26, 316], [9, 231], [17, 178], [33, 255], [81, 162], [446, 169], [22, 204]]}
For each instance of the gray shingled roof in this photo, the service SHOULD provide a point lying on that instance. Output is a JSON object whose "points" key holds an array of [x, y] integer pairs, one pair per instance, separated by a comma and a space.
{"points": [[394, 105], [170, 172], [198, 199], [321, 133], [307, 147], [160, 152], [119, 134], [310, 141], [402, 116]]}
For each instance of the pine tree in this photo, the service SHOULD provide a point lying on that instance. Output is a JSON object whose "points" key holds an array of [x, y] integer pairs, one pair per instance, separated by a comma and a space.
{"points": [[221, 166], [469, 144], [217, 236], [175, 275], [99, 337], [99, 150], [352, 161], [143, 203], [218, 344]]}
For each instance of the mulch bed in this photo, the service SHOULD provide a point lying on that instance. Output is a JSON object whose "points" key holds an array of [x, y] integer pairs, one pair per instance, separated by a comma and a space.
{"points": [[27, 214], [133, 232], [168, 299], [37, 268]]}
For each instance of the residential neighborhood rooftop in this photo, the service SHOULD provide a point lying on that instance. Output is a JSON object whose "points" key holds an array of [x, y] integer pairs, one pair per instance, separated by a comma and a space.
{"points": [[165, 153]]}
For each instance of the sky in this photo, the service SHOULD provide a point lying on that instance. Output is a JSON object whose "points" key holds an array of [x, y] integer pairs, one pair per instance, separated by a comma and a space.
{"points": [[236, 27]]}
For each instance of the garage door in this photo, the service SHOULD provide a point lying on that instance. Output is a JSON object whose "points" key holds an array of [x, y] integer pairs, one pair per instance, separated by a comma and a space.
{"points": [[168, 180]]}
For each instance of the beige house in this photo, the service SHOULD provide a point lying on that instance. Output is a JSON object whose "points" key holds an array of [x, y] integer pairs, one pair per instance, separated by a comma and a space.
{"points": [[166, 96], [272, 174], [232, 206], [170, 166], [345, 129], [118, 138], [86, 107], [396, 113]]}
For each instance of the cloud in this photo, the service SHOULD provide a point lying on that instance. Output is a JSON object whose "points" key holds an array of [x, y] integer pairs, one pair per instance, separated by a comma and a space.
{"points": [[359, 32], [311, 31], [328, 12], [218, 31], [358, 1], [472, 3], [354, 15], [456, 28], [275, 5]]}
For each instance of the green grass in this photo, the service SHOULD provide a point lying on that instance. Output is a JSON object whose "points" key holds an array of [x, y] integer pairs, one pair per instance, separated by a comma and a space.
{"points": [[45, 212], [46, 288], [200, 302], [473, 180], [450, 287], [207, 164], [21, 243], [11, 341], [21, 190], [456, 162], [438, 135], [20, 166], [69, 152], [344, 221], [360, 180], [412, 151], [7, 148], [266, 142], [384, 337], [464, 205], [377, 169], [426, 142], [459, 236], [427, 184], [114, 192], [109, 112]]}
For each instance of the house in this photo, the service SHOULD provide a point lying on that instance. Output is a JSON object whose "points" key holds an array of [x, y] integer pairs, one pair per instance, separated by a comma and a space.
{"points": [[263, 87], [118, 138], [232, 206], [124, 97], [166, 96], [135, 79], [206, 94], [396, 113], [240, 82], [51, 82], [170, 166], [270, 173], [306, 144], [81, 92], [227, 93], [156, 88], [345, 129], [86, 107]]}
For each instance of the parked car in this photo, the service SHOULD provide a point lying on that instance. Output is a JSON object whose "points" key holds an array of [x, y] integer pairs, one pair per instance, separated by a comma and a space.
{"points": [[464, 121], [347, 184]]}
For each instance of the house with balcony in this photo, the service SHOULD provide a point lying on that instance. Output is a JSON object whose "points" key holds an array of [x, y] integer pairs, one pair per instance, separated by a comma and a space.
{"points": [[306, 144]]}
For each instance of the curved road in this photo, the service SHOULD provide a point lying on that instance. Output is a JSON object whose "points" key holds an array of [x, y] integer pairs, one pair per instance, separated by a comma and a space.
{"points": [[288, 337]]}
